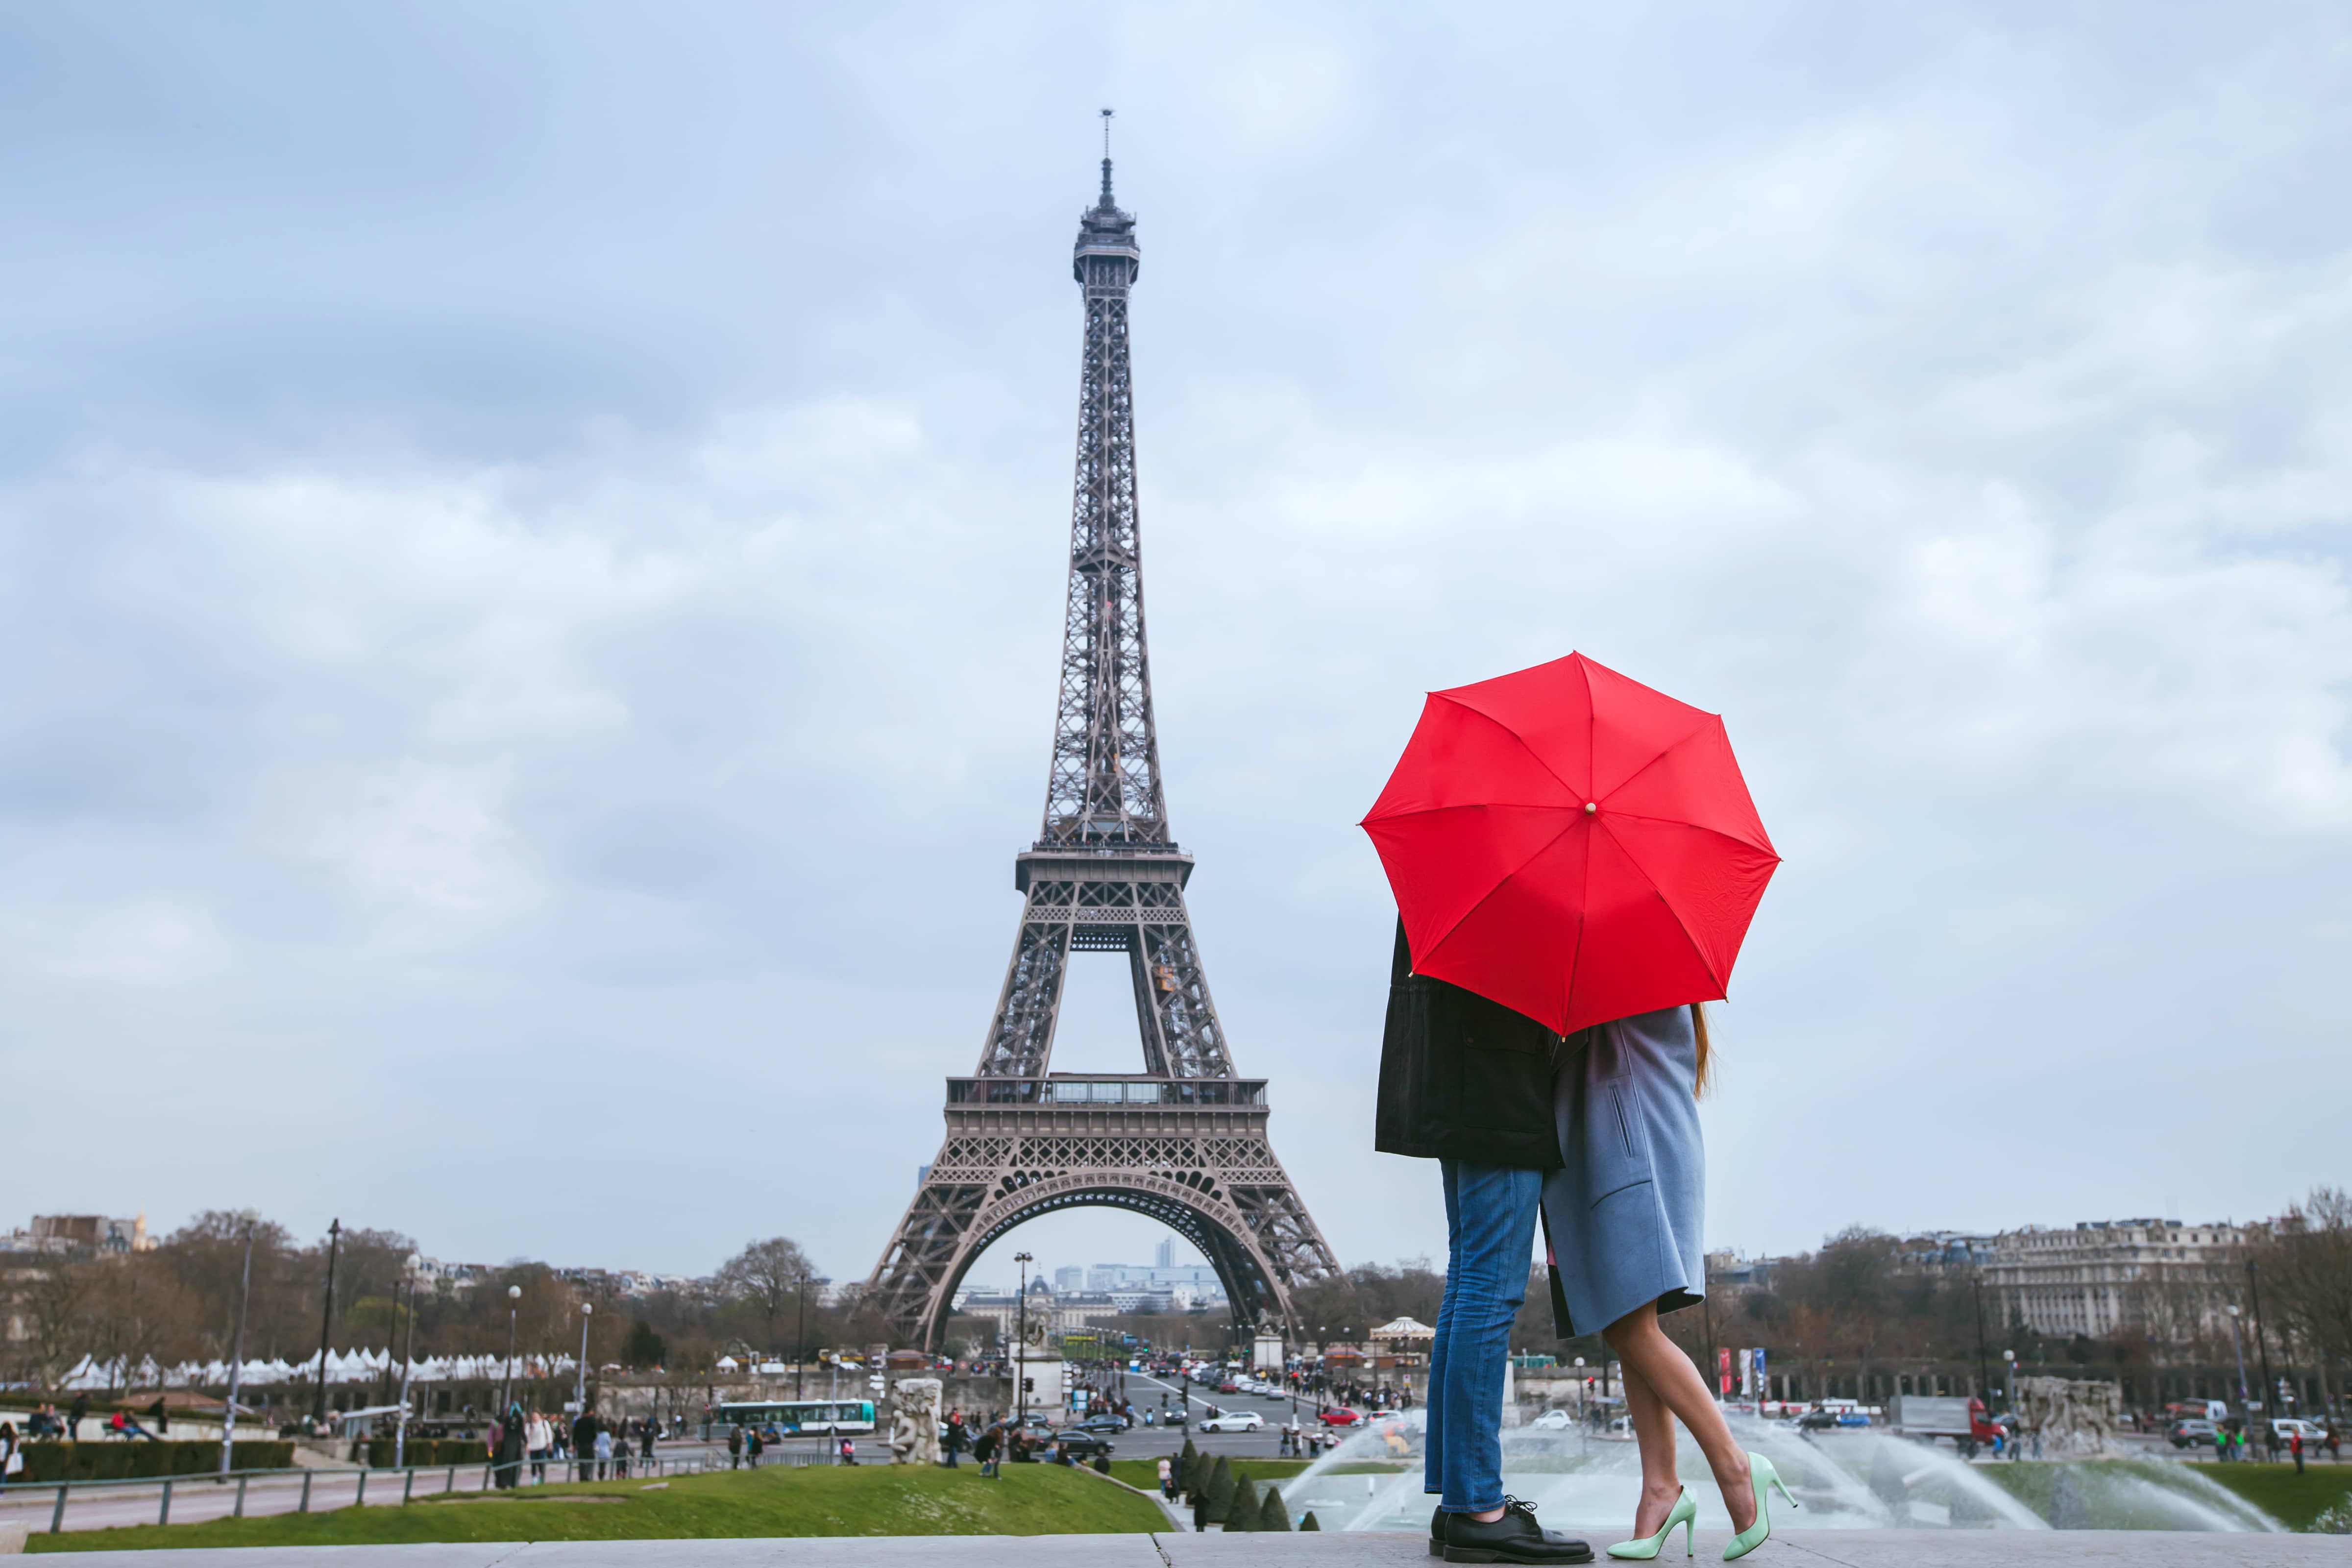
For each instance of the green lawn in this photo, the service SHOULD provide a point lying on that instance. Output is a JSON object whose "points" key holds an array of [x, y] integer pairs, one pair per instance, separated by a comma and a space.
{"points": [[2293, 1500], [1028, 1500]]}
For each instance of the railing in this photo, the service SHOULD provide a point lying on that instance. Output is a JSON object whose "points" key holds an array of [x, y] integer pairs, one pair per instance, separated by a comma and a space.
{"points": [[613, 1469], [1106, 1091]]}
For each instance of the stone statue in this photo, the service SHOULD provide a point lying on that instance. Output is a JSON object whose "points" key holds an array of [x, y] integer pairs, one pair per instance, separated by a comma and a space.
{"points": [[2070, 1417], [915, 1420]]}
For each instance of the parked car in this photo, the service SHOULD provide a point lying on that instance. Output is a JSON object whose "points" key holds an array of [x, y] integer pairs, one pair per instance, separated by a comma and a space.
{"points": [[2191, 1433], [1552, 1421], [1233, 1421], [2287, 1427], [1080, 1445], [1339, 1415]]}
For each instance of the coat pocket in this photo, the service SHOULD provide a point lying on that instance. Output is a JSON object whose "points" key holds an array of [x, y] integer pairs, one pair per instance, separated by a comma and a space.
{"points": [[1615, 1151]]}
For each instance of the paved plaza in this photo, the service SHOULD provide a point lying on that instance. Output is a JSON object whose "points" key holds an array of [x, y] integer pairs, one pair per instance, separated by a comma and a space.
{"points": [[1796, 1548]]}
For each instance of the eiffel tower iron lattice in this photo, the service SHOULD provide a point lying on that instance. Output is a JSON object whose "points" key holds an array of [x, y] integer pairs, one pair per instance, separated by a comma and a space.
{"points": [[1184, 1141]]}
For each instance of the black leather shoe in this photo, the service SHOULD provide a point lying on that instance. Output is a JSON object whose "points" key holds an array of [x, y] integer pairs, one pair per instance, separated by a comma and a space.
{"points": [[1514, 1538], [1437, 1533]]}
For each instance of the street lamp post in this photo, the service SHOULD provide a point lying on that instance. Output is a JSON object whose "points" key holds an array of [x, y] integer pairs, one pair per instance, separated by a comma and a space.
{"points": [[2239, 1351], [580, 1383], [506, 1388], [1984, 1377], [1021, 1344], [326, 1323], [407, 1364], [236, 1346], [1583, 1413], [2262, 1343], [800, 1336]]}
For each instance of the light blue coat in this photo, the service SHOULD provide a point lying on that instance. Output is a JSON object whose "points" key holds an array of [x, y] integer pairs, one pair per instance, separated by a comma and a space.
{"points": [[1622, 1214]]}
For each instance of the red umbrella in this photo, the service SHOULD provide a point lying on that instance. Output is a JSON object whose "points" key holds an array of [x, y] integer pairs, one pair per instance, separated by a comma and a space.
{"points": [[1572, 845]]}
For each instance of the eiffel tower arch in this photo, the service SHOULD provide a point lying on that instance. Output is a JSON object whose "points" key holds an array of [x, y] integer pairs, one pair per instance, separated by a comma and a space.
{"points": [[1184, 1140]]}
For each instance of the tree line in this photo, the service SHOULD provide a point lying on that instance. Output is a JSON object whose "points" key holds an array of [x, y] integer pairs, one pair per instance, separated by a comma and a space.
{"points": [[1865, 1310], [177, 1302], [1853, 1317]]}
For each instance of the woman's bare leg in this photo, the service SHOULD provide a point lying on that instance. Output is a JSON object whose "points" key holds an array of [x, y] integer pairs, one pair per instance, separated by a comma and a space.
{"points": [[1669, 1376], [1654, 1430]]}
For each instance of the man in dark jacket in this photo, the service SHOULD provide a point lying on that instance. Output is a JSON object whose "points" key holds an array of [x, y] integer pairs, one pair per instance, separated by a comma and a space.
{"points": [[1468, 1082], [508, 1449], [583, 1443]]}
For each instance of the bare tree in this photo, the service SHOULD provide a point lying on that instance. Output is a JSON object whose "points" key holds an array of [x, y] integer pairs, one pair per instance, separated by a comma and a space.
{"points": [[137, 1313], [772, 1276], [55, 1300], [2306, 1263]]}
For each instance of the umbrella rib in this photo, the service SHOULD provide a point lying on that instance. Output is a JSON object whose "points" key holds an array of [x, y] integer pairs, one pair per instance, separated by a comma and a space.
{"points": [[1592, 741], [1472, 805], [1668, 750], [1681, 923], [1500, 883], [1698, 828], [1520, 741]]}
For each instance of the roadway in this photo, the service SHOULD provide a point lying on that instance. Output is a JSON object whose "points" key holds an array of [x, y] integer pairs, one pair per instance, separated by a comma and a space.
{"points": [[1144, 1442], [195, 1498]]}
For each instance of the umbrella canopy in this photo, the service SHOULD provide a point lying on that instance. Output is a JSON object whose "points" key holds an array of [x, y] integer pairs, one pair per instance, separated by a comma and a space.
{"points": [[1572, 845]]}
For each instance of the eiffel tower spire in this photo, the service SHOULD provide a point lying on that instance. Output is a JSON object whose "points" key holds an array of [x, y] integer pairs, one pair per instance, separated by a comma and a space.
{"points": [[1104, 785], [1184, 1141]]}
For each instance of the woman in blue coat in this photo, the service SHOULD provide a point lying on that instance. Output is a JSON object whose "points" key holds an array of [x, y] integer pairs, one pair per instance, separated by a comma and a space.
{"points": [[1622, 1216]]}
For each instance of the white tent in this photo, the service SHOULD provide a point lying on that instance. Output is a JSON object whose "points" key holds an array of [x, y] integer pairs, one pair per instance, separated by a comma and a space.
{"points": [[1403, 1330]]}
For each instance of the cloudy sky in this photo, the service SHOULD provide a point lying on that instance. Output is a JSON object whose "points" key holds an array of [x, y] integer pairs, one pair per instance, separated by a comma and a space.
{"points": [[532, 546]]}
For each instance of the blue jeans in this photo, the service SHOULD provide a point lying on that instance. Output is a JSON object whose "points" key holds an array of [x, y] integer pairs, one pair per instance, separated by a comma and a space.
{"points": [[1490, 1225]]}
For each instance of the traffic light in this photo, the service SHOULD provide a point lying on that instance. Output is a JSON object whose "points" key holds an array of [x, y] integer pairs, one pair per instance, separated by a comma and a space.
{"points": [[1028, 1385]]}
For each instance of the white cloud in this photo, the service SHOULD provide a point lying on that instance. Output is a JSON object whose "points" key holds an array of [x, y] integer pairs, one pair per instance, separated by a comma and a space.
{"points": [[592, 639]]}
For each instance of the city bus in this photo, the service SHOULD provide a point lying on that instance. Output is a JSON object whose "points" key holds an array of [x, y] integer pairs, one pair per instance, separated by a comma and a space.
{"points": [[790, 1417]]}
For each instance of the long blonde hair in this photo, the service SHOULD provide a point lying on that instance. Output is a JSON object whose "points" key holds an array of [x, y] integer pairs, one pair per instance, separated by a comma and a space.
{"points": [[1699, 1083]]}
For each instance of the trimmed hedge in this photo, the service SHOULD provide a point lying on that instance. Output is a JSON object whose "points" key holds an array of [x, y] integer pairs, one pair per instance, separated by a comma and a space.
{"points": [[424, 1453], [119, 1460]]}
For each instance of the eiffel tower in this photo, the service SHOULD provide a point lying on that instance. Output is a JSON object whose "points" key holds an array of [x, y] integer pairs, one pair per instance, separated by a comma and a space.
{"points": [[1184, 1140]]}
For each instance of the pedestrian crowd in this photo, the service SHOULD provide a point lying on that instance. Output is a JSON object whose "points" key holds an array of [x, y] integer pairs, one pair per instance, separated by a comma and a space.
{"points": [[594, 1449]]}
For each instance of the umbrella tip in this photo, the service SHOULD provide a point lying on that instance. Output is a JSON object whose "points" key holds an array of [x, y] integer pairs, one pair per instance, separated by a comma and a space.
{"points": [[1591, 806]]}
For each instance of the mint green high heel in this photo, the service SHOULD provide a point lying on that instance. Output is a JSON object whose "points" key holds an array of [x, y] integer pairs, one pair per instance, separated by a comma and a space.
{"points": [[1760, 1475], [1685, 1511]]}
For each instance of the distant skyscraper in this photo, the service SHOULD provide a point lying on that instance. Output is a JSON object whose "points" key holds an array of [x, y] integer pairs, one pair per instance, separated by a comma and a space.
{"points": [[1069, 1281], [1164, 1254]]}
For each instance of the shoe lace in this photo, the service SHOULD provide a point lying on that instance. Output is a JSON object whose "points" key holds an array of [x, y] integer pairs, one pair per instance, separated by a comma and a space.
{"points": [[1520, 1504]]}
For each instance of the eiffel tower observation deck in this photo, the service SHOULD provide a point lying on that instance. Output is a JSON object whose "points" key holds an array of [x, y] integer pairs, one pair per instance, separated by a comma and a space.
{"points": [[1184, 1141]]}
